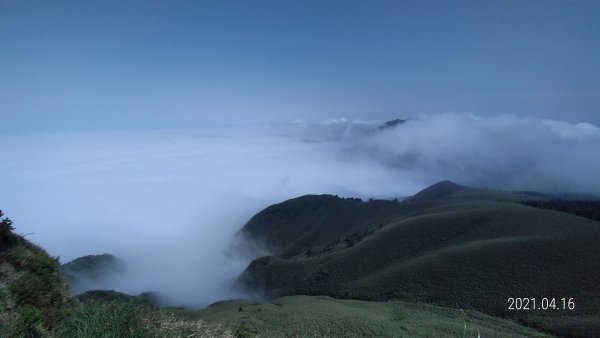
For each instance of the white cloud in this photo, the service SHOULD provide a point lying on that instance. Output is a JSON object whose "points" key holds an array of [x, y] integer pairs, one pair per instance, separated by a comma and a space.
{"points": [[505, 151], [579, 131], [170, 201]]}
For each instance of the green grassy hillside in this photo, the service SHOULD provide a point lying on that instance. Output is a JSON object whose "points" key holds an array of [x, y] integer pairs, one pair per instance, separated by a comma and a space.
{"points": [[465, 253], [34, 295], [304, 316], [119, 315], [292, 227]]}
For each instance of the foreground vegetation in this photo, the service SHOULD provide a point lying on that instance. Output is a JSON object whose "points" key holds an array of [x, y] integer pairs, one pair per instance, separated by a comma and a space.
{"points": [[125, 319], [117, 315], [34, 295], [113, 314], [305, 316]]}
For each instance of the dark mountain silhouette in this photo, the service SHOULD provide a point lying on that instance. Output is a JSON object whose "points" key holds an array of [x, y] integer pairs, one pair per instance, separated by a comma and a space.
{"points": [[92, 271], [391, 124]]}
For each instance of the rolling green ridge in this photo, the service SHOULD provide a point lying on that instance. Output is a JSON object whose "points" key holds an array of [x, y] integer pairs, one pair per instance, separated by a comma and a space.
{"points": [[290, 228], [438, 247]]}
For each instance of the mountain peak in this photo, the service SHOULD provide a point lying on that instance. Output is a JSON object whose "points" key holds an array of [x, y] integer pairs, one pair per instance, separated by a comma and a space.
{"points": [[439, 190], [391, 124]]}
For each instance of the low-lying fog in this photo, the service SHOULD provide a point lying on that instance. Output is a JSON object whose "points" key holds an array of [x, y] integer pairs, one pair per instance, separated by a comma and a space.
{"points": [[169, 202]]}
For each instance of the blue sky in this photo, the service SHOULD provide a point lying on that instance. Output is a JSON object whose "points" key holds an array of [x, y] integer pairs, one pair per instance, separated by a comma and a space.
{"points": [[106, 65]]}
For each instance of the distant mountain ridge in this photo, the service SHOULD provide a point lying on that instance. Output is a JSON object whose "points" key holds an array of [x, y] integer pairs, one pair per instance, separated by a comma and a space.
{"points": [[92, 271], [449, 189], [391, 124]]}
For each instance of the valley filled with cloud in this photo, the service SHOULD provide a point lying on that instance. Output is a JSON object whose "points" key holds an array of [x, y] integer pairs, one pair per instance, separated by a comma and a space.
{"points": [[157, 197]]}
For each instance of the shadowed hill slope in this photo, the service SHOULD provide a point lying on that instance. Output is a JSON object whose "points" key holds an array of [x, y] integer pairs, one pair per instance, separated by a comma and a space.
{"points": [[296, 225], [584, 208], [459, 252]]}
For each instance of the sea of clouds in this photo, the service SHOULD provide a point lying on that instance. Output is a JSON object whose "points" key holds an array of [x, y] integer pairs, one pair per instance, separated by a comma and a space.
{"points": [[170, 202]]}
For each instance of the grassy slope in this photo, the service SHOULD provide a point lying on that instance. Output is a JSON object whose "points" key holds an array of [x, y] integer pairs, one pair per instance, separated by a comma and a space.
{"points": [[33, 293], [459, 253], [295, 316], [127, 317], [304, 316]]}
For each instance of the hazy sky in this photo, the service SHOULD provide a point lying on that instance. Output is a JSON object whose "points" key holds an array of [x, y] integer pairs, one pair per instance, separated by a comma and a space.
{"points": [[104, 65]]}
